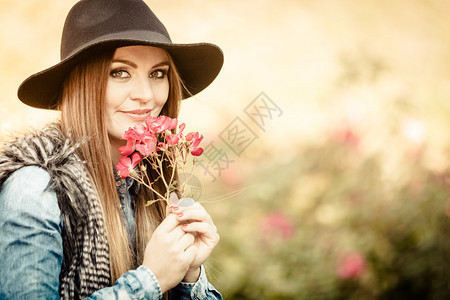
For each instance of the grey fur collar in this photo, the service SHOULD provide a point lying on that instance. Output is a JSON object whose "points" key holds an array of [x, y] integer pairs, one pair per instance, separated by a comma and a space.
{"points": [[86, 266]]}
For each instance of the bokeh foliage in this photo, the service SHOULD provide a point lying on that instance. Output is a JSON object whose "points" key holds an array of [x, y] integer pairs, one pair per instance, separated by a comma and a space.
{"points": [[336, 202]]}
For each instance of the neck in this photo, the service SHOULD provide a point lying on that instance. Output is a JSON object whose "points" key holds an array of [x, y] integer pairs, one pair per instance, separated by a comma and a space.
{"points": [[115, 154]]}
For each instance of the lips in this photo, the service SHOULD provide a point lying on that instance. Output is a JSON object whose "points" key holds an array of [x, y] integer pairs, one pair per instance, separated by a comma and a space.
{"points": [[137, 114]]}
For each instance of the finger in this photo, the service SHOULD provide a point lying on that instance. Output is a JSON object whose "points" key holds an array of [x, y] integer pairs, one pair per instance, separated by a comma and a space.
{"points": [[186, 241], [168, 210], [208, 231], [175, 235], [169, 237], [169, 223], [191, 252], [176, 204], [194, 214]]}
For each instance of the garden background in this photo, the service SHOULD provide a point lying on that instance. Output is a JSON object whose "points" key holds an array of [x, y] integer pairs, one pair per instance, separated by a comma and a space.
{"points": [[326, 133]]}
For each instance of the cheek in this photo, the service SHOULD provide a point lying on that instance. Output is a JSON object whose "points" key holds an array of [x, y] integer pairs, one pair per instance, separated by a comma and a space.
{"points": [[161, 96], [112, 96]]}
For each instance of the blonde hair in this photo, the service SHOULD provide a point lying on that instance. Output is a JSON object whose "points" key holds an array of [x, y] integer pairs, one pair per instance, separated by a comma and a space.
{"points": [[82, 106]]}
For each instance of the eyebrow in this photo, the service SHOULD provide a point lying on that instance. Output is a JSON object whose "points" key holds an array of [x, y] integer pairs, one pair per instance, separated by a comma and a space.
{"points": [[133, 65]]}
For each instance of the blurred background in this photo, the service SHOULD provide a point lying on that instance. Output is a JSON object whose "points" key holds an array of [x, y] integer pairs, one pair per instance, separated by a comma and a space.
{"points": [[326, 138]]}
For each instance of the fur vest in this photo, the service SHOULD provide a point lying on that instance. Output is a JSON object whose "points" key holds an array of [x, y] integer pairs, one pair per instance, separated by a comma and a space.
{"points": [[86, 265]]}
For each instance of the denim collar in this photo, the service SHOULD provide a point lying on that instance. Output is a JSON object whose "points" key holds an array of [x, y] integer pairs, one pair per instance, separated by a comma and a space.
{"points": [[125, 184]]}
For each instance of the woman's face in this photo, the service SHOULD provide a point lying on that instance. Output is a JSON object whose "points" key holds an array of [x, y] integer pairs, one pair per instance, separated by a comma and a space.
{"points": [[137, 87]]}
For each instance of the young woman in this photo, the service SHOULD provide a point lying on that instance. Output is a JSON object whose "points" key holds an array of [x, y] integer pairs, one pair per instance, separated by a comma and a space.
{"points": [[70, 226]]}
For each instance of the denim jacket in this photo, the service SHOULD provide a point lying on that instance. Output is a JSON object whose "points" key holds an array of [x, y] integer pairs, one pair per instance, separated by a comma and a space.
{"points": [[31, 248]]}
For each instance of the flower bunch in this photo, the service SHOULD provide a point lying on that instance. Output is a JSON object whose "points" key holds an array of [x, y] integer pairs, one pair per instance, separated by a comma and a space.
{"points": [[153, 143]]}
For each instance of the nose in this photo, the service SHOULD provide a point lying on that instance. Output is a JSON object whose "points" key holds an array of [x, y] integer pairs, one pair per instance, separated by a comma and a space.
{"points": [[141, 90]]}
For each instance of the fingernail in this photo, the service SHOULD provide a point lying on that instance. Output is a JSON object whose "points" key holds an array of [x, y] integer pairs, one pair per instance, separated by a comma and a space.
{"points": [[180, 215], [185, 225], [174, 208]]}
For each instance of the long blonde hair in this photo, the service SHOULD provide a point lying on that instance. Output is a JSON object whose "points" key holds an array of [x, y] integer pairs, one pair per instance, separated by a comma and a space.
{"points": [[82, 106]]}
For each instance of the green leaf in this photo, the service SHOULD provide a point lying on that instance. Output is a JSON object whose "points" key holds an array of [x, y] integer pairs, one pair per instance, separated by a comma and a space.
{"points": [[150, 202]]}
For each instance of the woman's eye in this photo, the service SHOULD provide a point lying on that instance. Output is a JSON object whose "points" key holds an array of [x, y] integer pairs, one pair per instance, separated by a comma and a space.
{"points": [[120, 74], [158, 74]]}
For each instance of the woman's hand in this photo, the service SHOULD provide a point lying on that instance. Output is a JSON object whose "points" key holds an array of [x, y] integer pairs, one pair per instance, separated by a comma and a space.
{"points": [[170, 252], [199, 224]]}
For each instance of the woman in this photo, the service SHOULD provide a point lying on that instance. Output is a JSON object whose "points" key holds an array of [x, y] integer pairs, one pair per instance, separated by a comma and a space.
{"points": [[71, 227]]}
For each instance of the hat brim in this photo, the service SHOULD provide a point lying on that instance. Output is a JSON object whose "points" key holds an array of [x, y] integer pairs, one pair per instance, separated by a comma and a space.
{"points": [[198, 65]]}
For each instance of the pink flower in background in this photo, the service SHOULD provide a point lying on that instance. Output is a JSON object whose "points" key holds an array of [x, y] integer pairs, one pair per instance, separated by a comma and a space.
{"points": [[347, 136], [277, 225], [233, 176], [126, 164], [352, 265]]}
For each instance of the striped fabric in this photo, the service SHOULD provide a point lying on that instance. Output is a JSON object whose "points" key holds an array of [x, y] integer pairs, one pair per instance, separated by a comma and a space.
{"points": [[85, 266]]}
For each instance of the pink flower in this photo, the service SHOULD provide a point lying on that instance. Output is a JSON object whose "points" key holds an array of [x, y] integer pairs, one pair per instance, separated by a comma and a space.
{"points": [[160, 124], [194, 139], [127, 164], [181, 127], [172, 139], [352, 265], [277, 225], [190, 136], [197, 151], [128, 148], [137, 133], [145, 141], [162, 147], [147, 145]]}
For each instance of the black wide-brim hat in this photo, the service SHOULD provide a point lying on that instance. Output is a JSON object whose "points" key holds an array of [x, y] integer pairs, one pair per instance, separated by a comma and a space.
{"points": [[95, 25]]}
